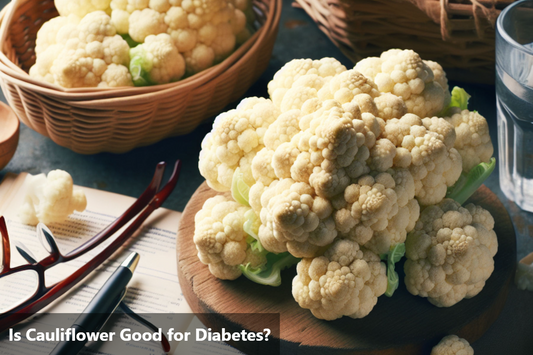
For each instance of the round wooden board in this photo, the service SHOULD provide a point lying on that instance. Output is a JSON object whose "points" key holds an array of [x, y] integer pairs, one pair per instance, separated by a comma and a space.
{"points": [[403, 324]]}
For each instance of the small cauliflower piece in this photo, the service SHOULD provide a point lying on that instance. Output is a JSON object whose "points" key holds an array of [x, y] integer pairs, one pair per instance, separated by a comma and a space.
{"points": [[524, 273], [221, 240], [156, 61], [450, 252], [473, 139], [50, 199], [403, 73], [346, 281], [236, 137], [452, 345]]}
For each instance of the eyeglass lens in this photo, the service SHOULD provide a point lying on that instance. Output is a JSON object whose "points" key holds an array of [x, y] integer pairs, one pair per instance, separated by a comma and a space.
{"points": [[17, 288]]}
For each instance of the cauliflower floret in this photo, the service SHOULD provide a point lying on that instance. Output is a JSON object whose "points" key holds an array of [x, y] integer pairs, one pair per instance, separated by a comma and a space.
{"points": [[81, 8], [332, 143], [434, 165], [220, 239], [346, 85], [146, 22], [346, 281], [294, 216], [473, 139], [53, 32], [116, 75], [439, 75], [452, 345], [284, 78], [390, 106], [50, 199], [450, 253], [81, 53], [237, 135], [156, 61], [379, 211], [404, 74]]}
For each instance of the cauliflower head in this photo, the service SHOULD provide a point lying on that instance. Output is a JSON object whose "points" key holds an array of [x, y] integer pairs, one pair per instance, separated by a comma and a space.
{"points": [[345, 281], [50, 199], [403, 73], [452, 345], [221, 240], [81, 53], [450, 252]]}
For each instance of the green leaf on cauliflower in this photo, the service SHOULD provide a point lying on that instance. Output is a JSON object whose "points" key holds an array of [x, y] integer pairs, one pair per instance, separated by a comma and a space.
{"points": [[270, 273], [469, 183], [140, 66], [394, 255], [459, 98], [239, 189]]}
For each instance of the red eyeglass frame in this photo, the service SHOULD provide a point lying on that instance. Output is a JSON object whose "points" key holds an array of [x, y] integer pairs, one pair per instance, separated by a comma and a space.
{"points": [[148, 202]]}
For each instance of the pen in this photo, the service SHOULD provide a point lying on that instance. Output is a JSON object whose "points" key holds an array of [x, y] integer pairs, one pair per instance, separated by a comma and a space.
{"points": [[101, 306]]}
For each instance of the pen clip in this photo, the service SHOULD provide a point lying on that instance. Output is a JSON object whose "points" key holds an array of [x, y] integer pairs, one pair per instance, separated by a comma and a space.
{"points": [[127, 310]]}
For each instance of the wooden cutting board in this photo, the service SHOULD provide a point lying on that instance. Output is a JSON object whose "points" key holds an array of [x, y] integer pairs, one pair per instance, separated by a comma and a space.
{"points": [[403, 324]]}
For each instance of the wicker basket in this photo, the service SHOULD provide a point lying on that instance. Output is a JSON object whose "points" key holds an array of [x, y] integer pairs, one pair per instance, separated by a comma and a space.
{"points": [[93, 120], [459, 34]]}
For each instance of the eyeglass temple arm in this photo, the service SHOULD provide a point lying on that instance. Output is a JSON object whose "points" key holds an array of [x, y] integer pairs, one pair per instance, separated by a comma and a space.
{"points": [[118, 223], [60, 288], [6, 260]]}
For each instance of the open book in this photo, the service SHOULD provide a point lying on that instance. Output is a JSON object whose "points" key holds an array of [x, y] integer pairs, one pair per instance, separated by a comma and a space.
{"points": [[154, 287]]}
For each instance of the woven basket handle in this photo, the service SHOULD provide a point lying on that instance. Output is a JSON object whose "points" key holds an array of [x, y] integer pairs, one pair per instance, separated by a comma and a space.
{"points": [[483, 14]]}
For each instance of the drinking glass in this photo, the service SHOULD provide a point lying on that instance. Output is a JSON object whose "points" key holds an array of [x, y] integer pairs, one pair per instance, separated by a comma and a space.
{"points": [[514, 100]]}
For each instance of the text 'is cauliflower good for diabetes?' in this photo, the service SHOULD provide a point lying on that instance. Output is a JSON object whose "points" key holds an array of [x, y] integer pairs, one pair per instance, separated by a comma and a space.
{"points": [[88, 44], [334, 171], [50, 199]]}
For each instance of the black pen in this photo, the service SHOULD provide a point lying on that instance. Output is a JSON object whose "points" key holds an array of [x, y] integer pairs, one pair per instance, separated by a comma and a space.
{"points": [[101, 306]]}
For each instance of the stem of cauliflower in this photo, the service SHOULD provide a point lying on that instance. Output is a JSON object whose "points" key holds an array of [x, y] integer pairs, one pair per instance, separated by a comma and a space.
{"points": [[140, 66], [469, 183], [129, 40], [269, 273], [395, 254]]}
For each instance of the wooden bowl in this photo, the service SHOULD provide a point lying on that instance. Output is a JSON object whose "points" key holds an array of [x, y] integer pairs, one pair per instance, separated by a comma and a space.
{"points": [[402, 324], [9, 134]]}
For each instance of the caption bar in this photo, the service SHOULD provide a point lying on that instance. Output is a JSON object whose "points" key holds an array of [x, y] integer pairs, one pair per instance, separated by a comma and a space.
{"points": [[126, 334]]}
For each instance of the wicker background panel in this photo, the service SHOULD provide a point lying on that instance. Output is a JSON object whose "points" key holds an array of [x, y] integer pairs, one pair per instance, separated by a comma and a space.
{"points": [[457, 34]]}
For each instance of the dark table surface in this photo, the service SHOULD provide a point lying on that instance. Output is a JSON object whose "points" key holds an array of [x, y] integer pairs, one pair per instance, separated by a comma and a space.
{"points": [[298, 37]]}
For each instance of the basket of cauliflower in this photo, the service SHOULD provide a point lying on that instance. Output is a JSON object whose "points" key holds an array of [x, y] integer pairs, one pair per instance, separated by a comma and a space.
{"points": [[111, 75], [343, 172]]}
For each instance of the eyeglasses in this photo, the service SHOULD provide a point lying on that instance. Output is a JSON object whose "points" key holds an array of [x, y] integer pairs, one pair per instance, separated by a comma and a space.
{"points": [[27, 300]]}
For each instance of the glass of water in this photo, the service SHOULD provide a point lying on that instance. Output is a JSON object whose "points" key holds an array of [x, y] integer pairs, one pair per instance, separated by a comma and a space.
{"points": [[514, 93]]}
